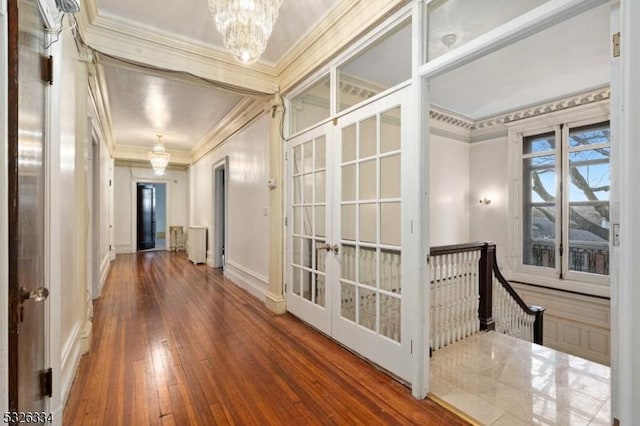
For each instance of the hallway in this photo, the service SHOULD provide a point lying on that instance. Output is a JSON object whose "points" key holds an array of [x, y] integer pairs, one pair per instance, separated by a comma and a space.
{"points": [[175, 343]]}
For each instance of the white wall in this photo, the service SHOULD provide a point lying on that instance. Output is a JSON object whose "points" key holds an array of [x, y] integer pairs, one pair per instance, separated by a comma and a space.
{"points": [[248, 197], [125, 198], [489, 176], [449, 181]]}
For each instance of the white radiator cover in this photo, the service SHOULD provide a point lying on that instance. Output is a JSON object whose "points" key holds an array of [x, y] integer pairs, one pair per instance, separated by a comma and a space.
{"points": [[197, 244]]}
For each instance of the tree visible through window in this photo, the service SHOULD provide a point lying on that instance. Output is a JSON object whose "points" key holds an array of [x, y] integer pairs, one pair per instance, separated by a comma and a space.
{"points": [[569, 178]]}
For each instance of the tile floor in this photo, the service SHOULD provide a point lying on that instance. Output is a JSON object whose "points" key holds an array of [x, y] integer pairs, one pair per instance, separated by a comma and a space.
{"points": [[499, 380]]}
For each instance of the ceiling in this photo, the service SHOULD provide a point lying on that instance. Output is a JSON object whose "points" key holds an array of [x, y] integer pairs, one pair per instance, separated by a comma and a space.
{"points": [[569, 58], [191, 19], [566, 59], [144, 102]]}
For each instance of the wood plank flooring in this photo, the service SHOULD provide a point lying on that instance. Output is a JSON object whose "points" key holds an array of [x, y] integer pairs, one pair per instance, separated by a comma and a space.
{"points": [[175, 344]]}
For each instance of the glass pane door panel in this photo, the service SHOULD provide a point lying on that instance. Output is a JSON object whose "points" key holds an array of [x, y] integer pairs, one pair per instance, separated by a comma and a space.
{"points": [[308, 189], [390, 224], [349, 183], [367, 266], [348, 221], [321, 291], [367, 308], [307, 219], [307, 159], [307, 289], [297, 190], [296, 280], [321, 153], [390, 264], [390, 317], [348, 301], [307, 252], [390, 177], [349, 262], [297, 251], [297, 160], [349, 143], [368, 138], [297, 220], [367, 223], [321, 189], [320, 222], [367, 180]]}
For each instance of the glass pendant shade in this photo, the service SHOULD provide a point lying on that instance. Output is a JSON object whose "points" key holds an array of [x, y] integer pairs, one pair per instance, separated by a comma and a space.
{"points": [[159, 158], [245, 25]]}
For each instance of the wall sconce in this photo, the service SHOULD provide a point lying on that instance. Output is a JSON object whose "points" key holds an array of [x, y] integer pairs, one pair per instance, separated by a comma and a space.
{"points": [[484, 201]]}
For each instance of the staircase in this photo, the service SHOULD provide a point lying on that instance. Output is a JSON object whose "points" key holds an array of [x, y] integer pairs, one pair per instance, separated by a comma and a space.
{"points": [[469, 294]]}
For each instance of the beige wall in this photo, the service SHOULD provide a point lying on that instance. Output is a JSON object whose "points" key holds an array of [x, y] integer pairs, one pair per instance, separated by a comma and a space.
{"points": [[248, 202], [449, 183], [489, 176]]}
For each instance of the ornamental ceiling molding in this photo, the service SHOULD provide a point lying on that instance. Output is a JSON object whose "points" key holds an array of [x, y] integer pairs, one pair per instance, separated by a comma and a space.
{"points": [[441, 115]]}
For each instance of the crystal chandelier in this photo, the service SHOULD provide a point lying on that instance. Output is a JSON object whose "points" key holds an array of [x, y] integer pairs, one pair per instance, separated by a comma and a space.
{"points": [[245, 25], [159, 158]]}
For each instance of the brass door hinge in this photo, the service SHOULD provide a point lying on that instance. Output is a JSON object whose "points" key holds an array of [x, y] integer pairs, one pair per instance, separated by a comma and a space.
{"points": [[46, 68], [616, 45], [46, 383]]}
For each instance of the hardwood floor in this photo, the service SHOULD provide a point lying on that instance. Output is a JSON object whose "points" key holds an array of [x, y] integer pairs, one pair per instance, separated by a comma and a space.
{"points": [[175, 343]]}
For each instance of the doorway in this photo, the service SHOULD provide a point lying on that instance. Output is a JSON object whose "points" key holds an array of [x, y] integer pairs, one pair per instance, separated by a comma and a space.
{"points": [[220, 212], [151, 216], [345, 238]]}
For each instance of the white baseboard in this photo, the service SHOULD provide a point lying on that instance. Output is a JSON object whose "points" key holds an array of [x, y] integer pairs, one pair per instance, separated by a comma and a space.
{"points": [[105, 266], [70, 358], [210, 259], [254, 283], [124, 249]]}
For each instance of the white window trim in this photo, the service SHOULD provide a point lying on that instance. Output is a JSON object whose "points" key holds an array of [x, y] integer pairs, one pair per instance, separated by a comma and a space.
{"points": [[591, 284]]}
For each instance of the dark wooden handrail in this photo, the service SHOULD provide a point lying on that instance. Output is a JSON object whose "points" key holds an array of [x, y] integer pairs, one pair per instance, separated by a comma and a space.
{"points": [[535, 310], [456, 248], [487, 268]]}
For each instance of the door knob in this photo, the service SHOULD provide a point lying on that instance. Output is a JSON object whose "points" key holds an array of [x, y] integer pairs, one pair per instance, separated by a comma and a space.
{"points": [[325, 246], [38, 295], [336, 248]]}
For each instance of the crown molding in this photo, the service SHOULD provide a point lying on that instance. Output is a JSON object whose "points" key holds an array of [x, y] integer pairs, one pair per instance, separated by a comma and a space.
{"points": [[128, 152], [489, 128], [342, 24], [546, 108], [140, 164], [155, 48], [241, 116], [100, 100]]}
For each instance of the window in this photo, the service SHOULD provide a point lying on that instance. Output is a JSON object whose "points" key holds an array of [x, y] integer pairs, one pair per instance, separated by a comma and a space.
{"points": [[565, 200]]}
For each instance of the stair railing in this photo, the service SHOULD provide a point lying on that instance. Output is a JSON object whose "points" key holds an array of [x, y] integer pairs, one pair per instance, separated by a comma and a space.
{"points": [[469, 294]]}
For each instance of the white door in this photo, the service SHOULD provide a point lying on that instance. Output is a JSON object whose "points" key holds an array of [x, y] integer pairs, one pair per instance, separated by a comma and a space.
{"points": [[367, 292], [309, 229], [345, 246]]}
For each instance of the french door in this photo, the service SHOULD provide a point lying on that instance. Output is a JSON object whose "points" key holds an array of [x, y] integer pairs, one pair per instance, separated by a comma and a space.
{"points": [[345, 227]]}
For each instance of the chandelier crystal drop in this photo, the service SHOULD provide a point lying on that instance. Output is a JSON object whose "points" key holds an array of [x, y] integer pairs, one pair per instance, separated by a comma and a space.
{"points": [[245, 25], [159, 158]]}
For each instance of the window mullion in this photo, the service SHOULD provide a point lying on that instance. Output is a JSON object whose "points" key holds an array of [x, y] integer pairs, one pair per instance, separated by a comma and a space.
{"points": [[565, 180]]}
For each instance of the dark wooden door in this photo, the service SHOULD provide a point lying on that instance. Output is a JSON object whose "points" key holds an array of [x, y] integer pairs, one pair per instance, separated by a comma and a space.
{"points": [[27, 292], [146, 217]]}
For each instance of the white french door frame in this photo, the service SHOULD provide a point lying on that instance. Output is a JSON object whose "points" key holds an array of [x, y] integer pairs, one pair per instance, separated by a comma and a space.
{"points": [[395, 357], [312, 313]]}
